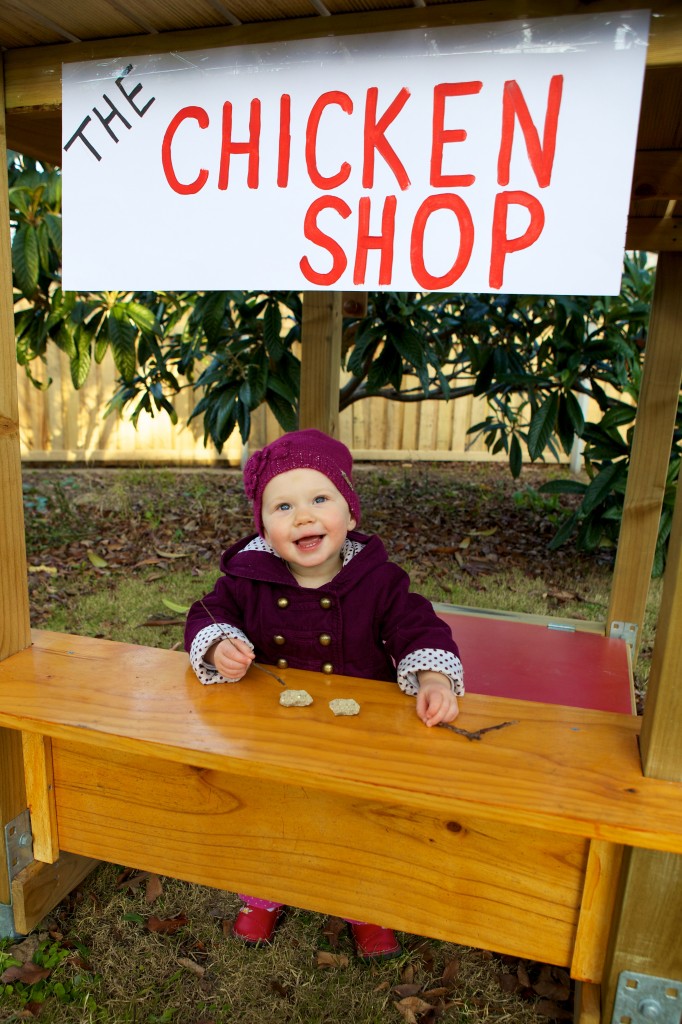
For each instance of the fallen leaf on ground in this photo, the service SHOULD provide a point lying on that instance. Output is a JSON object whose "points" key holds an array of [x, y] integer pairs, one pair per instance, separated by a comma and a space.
{"points": [[415, 1004], [424, 950], [523, 975], [24, 950], [31, 1010], [407, 1014], [406, 990], [553, 983], [332, 930], [131, 878], [407, 976], [97, 560], [450, 971], [153, 889], [325, 959], [192, 966], [166, 926], [29, 973], [285, 991], [50, 569], [562, 595], [548, 1008]]}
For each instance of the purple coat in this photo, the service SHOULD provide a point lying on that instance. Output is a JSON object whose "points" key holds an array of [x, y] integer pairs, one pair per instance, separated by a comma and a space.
{"points": [[361, 623]]}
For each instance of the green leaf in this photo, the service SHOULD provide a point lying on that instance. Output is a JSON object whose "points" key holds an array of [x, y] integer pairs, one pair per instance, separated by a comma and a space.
{"points": [[43, 240], [283, 411], [562, 487], [53, 223], [564, 532], [25, 259], [515, 457], [122, 336], [575, 413], [272, 329], [80, 362], [244, 421], [601, 486], [542, 426], [180, 608], [410, 346], [142, 317]]}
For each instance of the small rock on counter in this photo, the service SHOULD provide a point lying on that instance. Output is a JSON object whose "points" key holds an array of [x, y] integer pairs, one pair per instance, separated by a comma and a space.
{"points": [[343, 706], [295, 698]]}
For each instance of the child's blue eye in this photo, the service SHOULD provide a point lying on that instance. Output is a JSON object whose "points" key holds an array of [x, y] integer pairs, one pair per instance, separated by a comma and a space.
{"points": [[319, 498], [284, 506]]}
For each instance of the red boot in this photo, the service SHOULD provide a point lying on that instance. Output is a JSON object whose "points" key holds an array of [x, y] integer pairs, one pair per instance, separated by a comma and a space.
{"points": [[373, 942], [253, 925]]}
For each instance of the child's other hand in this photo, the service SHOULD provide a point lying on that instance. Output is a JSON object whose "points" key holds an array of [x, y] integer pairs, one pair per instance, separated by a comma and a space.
{"points": [[232, 658], [436, 702]]}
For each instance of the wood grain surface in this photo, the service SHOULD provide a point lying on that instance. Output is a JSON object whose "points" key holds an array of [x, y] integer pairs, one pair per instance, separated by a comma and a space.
{"points": [[566, 770]]}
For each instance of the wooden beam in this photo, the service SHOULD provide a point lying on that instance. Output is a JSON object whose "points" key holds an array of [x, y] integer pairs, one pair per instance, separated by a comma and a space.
{"points": [[661, 739], [14, 626], [40, 796], [39, 887], [646, 934], [656, 413], [657, 174], [34, 73], [654, 234], [321, 361]]}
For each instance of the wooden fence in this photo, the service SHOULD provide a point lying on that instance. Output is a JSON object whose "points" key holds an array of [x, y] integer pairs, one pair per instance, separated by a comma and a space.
{"points": [[61, 425]]}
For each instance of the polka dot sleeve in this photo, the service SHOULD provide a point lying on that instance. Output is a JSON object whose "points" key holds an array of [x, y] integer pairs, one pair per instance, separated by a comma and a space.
{"points": [[434, 661], [204, 639]]}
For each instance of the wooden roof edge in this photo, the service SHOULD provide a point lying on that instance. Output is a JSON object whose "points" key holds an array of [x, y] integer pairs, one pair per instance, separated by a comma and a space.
{"points": [[33, 74]]}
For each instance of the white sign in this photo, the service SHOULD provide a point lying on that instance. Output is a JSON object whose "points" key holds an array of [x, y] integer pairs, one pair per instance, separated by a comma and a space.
{"points": [[470, 159]]}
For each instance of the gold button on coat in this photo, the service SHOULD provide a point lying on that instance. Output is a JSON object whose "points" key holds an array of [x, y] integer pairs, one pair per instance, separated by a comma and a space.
{"points": [[279, 639], [325, 602], [325, 639], [282, 663], [282, 602], [328, 668]]}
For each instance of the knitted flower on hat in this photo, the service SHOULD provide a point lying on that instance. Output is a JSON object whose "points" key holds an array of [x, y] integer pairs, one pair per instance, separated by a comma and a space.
{"points": [[302, 449]]}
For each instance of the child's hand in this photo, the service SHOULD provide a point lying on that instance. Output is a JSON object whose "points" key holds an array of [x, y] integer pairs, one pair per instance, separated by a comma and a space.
{"points": [[436, 702], [232, 658]]}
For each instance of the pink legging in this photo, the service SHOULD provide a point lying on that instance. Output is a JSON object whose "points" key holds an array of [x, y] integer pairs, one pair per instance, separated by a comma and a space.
{"points": [[254, 901]]}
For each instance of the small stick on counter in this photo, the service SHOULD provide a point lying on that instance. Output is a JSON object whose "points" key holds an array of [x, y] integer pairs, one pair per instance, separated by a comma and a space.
{"points": [[254, 664]]}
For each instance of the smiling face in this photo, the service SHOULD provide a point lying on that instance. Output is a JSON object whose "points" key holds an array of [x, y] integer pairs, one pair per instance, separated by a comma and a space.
{"points": [[305, 520]]}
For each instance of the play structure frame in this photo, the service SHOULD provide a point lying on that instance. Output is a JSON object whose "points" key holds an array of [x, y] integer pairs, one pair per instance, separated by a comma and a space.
{"points": [[596, 794]]}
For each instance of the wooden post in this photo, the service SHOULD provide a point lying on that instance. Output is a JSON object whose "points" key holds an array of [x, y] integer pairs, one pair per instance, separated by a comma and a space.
{"points": [[321, 361], [646, 932], [14, 630], [656, 412]]}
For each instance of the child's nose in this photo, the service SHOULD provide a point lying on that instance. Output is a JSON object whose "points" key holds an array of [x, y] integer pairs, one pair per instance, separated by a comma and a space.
{"points": [[304, 514]]}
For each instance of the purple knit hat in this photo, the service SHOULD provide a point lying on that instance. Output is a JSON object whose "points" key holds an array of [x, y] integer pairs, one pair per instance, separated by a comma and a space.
{"points": [[302, 449]]}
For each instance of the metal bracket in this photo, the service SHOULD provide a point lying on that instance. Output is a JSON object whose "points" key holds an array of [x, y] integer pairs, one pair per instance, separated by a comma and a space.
{"points": [[644, 999], [7, 929], [18, 843], [19, 850], [624, 631]]}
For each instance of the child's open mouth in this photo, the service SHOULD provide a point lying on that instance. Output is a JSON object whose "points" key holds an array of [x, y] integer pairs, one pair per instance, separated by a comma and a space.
{"points": [[309, 543]]}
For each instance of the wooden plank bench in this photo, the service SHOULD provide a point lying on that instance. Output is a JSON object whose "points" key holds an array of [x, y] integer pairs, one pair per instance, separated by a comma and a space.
{"points": [[510, 842]]}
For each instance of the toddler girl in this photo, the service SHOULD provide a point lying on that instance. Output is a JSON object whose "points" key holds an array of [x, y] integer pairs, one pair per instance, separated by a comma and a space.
{"points": [[309, 592]]}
